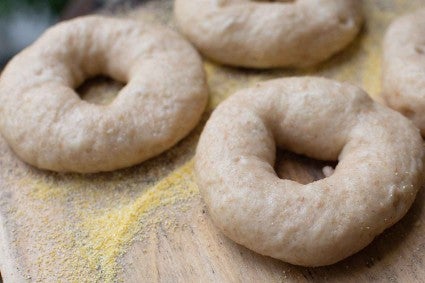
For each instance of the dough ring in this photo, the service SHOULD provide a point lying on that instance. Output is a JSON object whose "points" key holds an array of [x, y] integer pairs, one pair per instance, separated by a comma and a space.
{"points": [[258, 34], [49, 126], [404, 67], [375, 182]]}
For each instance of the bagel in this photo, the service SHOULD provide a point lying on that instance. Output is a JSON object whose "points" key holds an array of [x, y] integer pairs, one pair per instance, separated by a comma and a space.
{"points": [[49, 126], [380, 169], [403, 71], [260, 34]]}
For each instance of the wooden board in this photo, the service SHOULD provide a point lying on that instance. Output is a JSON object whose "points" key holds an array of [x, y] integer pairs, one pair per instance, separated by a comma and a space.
{"points": [[148, 223]]}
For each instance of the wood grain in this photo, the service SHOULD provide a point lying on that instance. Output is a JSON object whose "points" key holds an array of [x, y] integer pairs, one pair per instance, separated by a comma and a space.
{"points": [[148, 223]]}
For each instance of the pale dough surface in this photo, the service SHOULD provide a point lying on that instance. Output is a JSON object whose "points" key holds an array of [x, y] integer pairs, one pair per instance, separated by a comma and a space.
{"points": [[380, 169], [47, 124], [404, 67], [262, 34]]}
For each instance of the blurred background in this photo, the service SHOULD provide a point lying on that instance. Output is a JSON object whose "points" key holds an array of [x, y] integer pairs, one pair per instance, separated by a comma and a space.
{"points": [[22, 21]]}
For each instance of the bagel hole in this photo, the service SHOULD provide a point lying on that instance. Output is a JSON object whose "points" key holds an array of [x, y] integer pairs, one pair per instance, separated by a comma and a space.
{"points": [[300, 168], [99, 90]]}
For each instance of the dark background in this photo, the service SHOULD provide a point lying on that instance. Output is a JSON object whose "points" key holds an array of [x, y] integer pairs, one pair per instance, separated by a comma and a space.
{"points": [[22, 21]]}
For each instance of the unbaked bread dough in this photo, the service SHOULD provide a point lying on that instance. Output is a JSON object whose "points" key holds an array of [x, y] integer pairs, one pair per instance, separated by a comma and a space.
{"points": [[265, 34], [404, 67], [380, 169], [47, 124]]}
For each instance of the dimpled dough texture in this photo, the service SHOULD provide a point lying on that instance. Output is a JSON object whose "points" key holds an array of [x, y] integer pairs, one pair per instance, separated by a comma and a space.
{"points": [[404, 67], [261, 34], [47, 124], [379, 172]]}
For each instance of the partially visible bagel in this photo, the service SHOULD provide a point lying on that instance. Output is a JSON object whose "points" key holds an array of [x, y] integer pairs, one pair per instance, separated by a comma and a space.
{"points": [[265, 34], [404, 67]]}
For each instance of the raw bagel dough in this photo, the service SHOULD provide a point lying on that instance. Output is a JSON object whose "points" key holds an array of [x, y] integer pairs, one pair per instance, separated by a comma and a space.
{"points": [[47, 124], [258, 34], [380, 169], [404, 67]]}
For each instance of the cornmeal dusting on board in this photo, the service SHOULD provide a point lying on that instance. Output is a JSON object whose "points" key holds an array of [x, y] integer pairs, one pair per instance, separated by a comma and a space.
{"points": [[371, 83], [100, 236], [42, 189], [372, 47], [113, 230], [225, 83], [49, 235]]}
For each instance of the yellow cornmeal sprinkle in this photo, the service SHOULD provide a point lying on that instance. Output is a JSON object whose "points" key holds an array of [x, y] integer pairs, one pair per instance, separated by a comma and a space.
{"points": [[89, 245], [226, 83], [371, 83], [43, 190], [112, 230]]}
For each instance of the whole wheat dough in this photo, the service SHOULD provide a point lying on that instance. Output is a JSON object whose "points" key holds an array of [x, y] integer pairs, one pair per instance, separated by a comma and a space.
{"points": [[264, 34], [404, 67], [47, 124], [380, 169]]}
